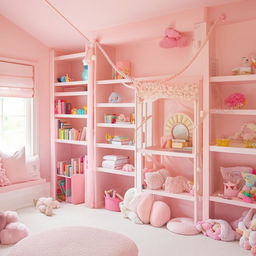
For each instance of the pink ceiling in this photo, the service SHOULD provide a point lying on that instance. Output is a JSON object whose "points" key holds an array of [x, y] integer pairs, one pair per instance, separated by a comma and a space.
{"points": [[38, 19]]}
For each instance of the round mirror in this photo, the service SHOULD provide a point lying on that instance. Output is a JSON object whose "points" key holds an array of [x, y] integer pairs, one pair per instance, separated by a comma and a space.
{"points": [[180, 131]]}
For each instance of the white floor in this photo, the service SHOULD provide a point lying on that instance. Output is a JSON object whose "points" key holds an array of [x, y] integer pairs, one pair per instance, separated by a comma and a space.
{"points": [[150, 241]]}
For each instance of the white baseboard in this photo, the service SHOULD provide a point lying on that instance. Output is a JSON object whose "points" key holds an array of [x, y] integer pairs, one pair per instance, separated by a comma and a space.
{"points": [[23, 197]]}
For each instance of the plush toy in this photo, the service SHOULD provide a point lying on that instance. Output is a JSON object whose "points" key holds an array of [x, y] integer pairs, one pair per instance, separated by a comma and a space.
{"points": [[114, 98], [141, 208], [11, 230], [156, 180], [217, 229], [248, 192], [46, 205], [173, 38], [178, 184]]}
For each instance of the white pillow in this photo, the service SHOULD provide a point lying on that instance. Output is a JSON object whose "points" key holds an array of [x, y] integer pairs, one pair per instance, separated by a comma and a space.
{"points": [[33, 167], [15, 166]]}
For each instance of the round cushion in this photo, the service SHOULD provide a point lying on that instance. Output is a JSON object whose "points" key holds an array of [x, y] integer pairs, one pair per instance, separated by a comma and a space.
{"points": [[160, 214], [182, 226], [78, 241], [144, 208]]}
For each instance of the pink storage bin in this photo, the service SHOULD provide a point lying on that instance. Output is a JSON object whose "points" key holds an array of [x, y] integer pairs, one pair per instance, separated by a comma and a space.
{"points": [[112, 204]]}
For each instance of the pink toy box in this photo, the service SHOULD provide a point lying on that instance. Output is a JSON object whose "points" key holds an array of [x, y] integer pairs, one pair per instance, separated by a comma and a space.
{"points": [[112, 204]]}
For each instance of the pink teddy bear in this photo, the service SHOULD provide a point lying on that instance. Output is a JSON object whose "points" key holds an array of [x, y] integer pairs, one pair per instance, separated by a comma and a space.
{"points": [[11, 230]]}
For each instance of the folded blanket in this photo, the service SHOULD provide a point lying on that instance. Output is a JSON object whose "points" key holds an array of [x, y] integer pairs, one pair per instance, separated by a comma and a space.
{"points": [[115, 157], [115, 163]]}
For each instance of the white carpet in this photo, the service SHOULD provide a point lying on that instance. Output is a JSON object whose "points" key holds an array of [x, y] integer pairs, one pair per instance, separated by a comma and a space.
{"points": [[150, 241]]}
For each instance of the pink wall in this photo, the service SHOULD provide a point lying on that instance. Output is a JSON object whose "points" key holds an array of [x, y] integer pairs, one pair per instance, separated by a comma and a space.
{"points": [[17, 44]]}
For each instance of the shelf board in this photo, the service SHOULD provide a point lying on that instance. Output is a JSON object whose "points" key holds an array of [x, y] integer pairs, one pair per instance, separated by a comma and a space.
{"points": [[106, 145], [113, 171], [154, 150], [62, 84], [73, 142], [182, 196], [234, 201], [233, 111], [73, 56], [234, 150], [71, 116], [116, 105], [116, 125], [238, 78], [63, 94], [113, 81], [63, 176]]}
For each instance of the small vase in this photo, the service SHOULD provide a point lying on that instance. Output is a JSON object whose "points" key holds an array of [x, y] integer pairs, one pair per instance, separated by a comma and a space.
{"points": [[85, 73]]}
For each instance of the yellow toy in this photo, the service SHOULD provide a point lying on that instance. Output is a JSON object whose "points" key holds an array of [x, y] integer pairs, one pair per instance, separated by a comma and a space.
{"points": [[74, 111], [67, 78], [85, 109], [108, 137]]}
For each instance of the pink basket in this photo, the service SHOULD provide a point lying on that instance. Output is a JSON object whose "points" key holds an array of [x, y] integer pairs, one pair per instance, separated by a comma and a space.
{"points": [[112, 204]]}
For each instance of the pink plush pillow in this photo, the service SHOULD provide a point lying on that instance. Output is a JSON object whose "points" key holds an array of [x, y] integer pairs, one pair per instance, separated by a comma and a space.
{"points": [[4, 181], [154, 180], [182, 226], [160, 214], [15, 166], [144, 208]]}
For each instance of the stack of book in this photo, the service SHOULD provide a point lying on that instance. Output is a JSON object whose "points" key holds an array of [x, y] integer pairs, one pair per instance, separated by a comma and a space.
{"points": [[62, 107], [66, 132], [120, 140], [74, 166], [114, 161]]}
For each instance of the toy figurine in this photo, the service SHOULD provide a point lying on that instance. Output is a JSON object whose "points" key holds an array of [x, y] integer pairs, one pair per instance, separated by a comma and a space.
{"points": [[245, 68], [114, 98], [80, 111], [121, 118], [74, 111], [65, 78], [108, 137], [85, 109]]}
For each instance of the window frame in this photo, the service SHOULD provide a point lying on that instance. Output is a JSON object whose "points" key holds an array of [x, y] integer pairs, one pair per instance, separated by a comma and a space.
{"points": [[34, 105]]}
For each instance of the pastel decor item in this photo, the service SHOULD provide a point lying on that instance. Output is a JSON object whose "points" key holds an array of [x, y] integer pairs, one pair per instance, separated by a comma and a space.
{"points": [[235, 100], [11, 230], [112, 204], [46, 205], [222, 142], [154, 180], [177, 184], [125, 67], [182, 226], [144, 208], [173, 38], [15, 166], [160, 214], [58, 242], [85, 71], [114, 98], [245, 68], [217, 230], [4, 181]]}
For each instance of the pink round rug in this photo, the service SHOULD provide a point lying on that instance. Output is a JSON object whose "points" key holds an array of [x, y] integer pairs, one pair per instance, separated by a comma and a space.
{"points": [[77, 241]]}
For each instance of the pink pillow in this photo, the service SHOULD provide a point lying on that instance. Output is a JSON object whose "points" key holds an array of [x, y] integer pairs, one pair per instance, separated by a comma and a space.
{"points": [[144, 208], [160, 214], [154, 180], [33, 168], [15, 166], [4, 181], [182, 226]]}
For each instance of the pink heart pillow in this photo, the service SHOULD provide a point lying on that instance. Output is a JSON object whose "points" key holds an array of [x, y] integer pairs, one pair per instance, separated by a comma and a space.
{"points": [[144, 208], [160, 214]]}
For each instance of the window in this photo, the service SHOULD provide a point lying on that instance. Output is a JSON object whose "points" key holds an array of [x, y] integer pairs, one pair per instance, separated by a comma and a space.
{"points": [[16, 124]]}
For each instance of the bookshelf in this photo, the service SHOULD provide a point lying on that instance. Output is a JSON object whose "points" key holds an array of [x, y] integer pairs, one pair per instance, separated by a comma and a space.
{"points": [[105, 123], [70, 127]]}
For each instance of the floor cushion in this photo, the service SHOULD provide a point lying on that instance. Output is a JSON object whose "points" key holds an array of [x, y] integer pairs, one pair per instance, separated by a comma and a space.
{"points": [[78, 241], [182, 226]]}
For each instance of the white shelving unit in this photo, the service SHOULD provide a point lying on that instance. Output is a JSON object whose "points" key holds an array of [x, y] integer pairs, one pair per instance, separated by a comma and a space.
{"points": [[77, 93], [215, 196], [145, 146]]}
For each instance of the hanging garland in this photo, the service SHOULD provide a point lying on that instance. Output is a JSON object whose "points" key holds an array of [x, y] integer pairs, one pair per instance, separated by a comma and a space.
{"points": [[153, 89]]}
